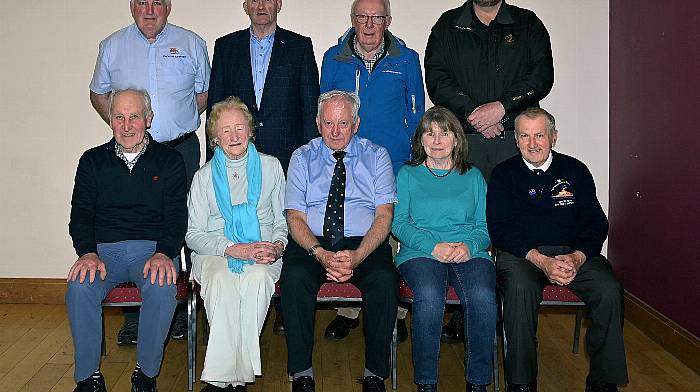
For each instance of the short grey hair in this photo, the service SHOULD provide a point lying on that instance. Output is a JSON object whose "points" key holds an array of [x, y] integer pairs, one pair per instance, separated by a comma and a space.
{"points": [[142, 93], [533, 113], [334, 95], [387, 7], [167, 2]]}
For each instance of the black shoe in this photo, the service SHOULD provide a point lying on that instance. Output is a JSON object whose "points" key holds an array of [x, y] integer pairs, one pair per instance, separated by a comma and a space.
{"points": [[179, 330], [214, 388], [453, 331], [141, 382], [340, 327], [401, 330], [522, 387], [427, 388], [94, 383], [372, 384], [129, 333], [597, 386], [475, 388], [303, 384], [278, 327]]}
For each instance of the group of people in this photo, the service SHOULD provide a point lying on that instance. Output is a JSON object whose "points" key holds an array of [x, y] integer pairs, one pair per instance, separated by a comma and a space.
{"points": [[384, 170]]}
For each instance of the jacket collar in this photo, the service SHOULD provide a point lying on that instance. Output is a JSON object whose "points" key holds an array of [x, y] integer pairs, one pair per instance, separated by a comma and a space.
{"points": [[466, 19], [391, 43]]}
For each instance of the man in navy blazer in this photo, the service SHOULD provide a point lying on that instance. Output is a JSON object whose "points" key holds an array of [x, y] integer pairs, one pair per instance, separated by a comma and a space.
{"points": [[274, 72]]}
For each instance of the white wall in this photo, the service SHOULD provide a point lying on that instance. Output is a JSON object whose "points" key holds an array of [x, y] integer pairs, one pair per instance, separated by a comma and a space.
{"points": [[48, 51]]}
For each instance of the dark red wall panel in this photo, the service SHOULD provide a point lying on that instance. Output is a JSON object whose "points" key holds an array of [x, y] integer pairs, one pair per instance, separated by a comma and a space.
{"points": [[655, 154]]}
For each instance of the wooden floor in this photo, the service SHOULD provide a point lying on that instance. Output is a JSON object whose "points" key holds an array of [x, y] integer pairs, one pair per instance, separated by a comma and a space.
{"points": [[36, 354]]}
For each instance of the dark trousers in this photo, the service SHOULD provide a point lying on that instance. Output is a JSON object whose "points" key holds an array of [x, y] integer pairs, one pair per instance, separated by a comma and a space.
{"points": [[487, 153], [521, 288], [377, 279]]}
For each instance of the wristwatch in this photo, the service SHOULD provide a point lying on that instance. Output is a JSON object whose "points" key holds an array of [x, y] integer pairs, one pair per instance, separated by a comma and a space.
{"points": [[312, 250]]}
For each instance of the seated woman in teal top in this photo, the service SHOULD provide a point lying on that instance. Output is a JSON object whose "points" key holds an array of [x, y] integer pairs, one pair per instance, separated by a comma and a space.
{"points": [[440, 221]]}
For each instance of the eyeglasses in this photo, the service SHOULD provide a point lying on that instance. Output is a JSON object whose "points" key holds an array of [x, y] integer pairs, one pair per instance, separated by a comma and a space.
{"points": [[376, 19]]}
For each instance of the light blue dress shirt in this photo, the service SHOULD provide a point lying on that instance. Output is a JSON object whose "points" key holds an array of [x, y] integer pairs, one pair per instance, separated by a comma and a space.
{"points": [[369, 183], [173, 69], [260, 52]]}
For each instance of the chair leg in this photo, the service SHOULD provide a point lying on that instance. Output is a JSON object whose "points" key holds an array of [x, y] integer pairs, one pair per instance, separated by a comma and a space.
{"points": [[577, 328], [104, 341], [191, 338], [496, 379], [394, 344]]}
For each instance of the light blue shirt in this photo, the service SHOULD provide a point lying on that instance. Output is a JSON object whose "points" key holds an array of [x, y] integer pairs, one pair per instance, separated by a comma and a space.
{"points": [[369, 183], [260, 52], [173, 70]]}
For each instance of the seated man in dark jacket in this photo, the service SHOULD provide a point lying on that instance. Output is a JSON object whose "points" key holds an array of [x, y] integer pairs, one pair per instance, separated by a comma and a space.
{"points": [[128, 220], [546, 222]]}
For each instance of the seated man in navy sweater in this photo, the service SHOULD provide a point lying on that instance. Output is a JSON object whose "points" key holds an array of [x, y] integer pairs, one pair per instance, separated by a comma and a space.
{"points": [[128, 221], [546, 222]]}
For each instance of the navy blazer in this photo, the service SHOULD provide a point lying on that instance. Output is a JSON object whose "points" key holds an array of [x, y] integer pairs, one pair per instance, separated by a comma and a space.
{"points": [[286, 118]]}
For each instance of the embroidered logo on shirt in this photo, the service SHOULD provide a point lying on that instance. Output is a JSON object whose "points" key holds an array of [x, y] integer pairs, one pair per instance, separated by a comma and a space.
{"points": [[561, 194], [156, 178], [174, 53], [509, 40]]}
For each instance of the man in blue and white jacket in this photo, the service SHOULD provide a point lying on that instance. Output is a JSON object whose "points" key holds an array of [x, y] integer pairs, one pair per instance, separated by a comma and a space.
{"points": [[387, 76], [384, 72]]}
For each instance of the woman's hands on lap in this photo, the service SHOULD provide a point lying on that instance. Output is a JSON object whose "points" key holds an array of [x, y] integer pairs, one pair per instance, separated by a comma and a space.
{"points": [[451, 252], [262, 252]]}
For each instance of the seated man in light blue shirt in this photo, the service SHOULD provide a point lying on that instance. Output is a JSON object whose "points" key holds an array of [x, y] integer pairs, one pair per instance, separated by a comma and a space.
{"points": [[172, 64], [340, 203]]}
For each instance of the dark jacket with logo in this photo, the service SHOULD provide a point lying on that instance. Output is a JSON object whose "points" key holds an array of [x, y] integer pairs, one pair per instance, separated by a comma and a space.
{"points": [[559, 207], [111, 204], [468, 64]]}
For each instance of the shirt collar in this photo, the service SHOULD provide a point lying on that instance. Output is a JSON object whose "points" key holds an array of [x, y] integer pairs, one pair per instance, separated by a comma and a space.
{"points": [[160, 35], [350, 149], [544, 166], [267, 38]]}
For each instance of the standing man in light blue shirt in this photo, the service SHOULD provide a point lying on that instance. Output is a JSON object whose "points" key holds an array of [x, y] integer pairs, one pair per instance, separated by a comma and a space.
{"points": [[340, 203], [172, 64]]}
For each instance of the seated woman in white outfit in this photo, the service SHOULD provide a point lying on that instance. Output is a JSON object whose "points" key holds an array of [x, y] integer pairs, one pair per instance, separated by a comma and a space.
{"points": [[237, 232]]}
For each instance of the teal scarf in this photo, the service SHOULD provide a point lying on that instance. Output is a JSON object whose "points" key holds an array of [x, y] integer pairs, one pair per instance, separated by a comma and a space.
{"points": [[241, 223]]}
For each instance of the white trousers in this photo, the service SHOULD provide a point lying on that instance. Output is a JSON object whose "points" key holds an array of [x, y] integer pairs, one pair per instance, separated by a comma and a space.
{"points": [[236, 307]]}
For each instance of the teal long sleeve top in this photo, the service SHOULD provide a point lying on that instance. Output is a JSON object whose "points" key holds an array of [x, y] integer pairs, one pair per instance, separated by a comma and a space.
{"points": [[433, 209]]}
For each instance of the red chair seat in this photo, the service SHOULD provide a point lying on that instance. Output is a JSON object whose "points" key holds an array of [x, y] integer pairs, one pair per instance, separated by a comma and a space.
{"points": [[554, 293], [128, 292]]}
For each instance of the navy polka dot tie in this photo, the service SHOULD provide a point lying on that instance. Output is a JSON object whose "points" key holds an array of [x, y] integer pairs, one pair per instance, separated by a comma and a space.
{"points": [[333, 221]]}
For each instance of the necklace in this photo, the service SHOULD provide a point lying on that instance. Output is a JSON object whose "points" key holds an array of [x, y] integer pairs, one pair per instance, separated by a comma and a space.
{"points": [[435, 174]]}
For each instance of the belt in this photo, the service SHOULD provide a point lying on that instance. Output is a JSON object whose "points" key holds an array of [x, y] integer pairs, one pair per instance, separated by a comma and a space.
{"points": [[179, 140]]}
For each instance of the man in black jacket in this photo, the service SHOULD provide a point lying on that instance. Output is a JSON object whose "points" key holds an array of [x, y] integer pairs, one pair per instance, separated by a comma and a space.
{"points": [[548, 227], [487, 61], [128, 221]]}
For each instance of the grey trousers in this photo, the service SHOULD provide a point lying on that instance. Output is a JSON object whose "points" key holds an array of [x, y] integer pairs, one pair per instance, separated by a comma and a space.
{"points": [[124, 262]]}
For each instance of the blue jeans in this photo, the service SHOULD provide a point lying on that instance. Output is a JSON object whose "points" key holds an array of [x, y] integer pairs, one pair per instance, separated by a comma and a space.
{"points": [[124, 262], [475, 284]]}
